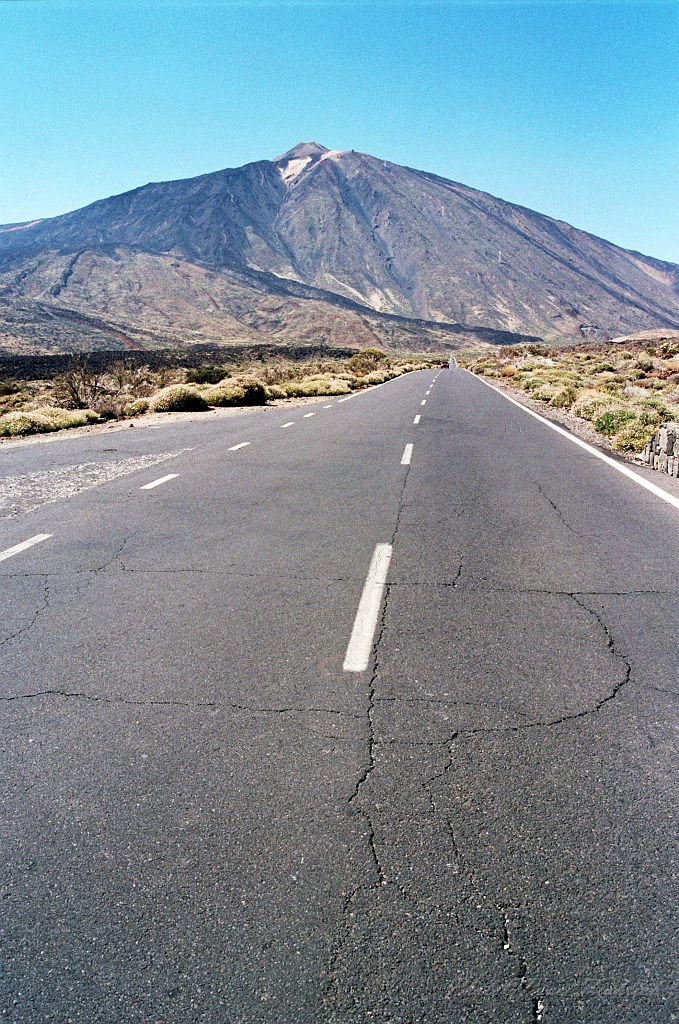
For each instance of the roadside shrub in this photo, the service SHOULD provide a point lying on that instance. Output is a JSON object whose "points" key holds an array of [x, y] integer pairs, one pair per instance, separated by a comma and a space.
{"points": [[206, 375], [649, 418], [368, 359], [225, 395], [275, 391], [254, 392], [178, 398], [44, 420], [564, 398], [611, 421], [293, 389], [508, 371], [137, 408], [634, 437], [377, 377], [590, 404], [338, 387], [63, 418]]}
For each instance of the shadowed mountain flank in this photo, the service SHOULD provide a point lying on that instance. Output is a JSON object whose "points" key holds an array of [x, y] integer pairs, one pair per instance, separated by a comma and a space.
{"points": [[314, 244]]}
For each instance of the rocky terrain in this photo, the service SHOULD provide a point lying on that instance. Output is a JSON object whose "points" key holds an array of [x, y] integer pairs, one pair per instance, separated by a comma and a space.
{"points": [[318, 246]]}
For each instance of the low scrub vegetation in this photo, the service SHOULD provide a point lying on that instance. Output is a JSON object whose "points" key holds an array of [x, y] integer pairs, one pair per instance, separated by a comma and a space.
{"points": [[82, 396], [624, 394]]}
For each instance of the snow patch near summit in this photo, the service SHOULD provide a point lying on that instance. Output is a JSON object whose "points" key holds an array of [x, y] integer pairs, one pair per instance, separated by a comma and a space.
{"points": [[293, 168]]}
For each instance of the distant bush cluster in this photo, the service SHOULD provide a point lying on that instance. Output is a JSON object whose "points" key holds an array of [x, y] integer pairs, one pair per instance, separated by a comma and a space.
{"points": [[81, 395]]}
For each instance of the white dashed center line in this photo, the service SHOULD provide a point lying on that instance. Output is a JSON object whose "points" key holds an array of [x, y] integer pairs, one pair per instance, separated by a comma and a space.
{"points": [[158, 482], [235, 447], [308, 414], [327, 407], [407, 455], [360, 643], [8, 552], [416, 420], [290, 424], [423, 402]]}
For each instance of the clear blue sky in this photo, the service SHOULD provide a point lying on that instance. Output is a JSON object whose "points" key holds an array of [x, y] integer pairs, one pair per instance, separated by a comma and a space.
{"points": [[568, 108]]}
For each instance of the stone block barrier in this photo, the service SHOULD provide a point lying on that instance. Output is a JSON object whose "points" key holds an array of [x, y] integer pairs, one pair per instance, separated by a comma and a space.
{"points": [[662, 451]]}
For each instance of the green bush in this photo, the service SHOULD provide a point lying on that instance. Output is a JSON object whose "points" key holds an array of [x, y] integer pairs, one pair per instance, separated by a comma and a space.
{"points": [[275, 391], [137, 408], [229, 394], [368, 359], [178, 398], [564, 398], [255, 391], [591, 404], [377, 377], [650, 418], [611, 421], [206, 375], [634, 437]]}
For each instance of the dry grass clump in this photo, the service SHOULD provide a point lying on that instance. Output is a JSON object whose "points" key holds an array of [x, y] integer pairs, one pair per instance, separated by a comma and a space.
{"points": [[178, 398], [623, 394], [43, 421], [137, 408]]}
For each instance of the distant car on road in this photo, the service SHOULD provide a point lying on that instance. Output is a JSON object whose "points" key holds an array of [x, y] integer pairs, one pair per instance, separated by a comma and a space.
{"points": [[444, 364]]}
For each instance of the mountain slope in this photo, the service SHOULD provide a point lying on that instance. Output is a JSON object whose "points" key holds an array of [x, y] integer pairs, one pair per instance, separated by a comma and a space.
{"points": [[325, 225]]}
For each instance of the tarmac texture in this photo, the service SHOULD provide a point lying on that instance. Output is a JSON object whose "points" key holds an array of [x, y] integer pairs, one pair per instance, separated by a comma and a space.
{"points": [[206, 819]]}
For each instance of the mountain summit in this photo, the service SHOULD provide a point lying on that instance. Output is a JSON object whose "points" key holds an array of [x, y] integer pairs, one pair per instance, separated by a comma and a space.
{"points": [[338, 227]]}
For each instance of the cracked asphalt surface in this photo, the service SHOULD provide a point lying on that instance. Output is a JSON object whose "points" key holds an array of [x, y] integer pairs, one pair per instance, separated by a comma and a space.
{"points": [[205, 819]]}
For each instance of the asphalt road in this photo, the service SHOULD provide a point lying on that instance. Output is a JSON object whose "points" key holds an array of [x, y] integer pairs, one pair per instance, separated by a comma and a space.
{"points": [[205, 818]]}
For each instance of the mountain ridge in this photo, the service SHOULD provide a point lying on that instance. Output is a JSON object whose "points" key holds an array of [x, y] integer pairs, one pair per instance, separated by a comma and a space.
{"points": [[326, 225]]}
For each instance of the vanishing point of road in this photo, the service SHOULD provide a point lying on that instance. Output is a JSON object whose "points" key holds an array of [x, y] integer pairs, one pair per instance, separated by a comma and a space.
{"points": [[361, 711]]}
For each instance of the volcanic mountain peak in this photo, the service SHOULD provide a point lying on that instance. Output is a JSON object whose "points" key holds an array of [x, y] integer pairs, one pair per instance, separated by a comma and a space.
{"points": [[302, 156], [312, 149]]}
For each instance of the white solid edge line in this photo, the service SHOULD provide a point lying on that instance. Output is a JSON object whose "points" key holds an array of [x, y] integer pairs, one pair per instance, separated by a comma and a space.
{"points": [[407, 455], [345, 399], [290, 424], [416, 420], [24, 544], [360, 643], [235, 447], [156, 483], [658, 491]]}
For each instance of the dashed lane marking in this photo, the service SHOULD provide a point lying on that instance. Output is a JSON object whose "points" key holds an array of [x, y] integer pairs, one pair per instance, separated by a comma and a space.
{"points": [[327, 407], [407, 455], [159, 481], [290, 424], [416, 420], [235, 447], [423, 402], [308, 414], [360, 643], [8, 552], [658, 491]]}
